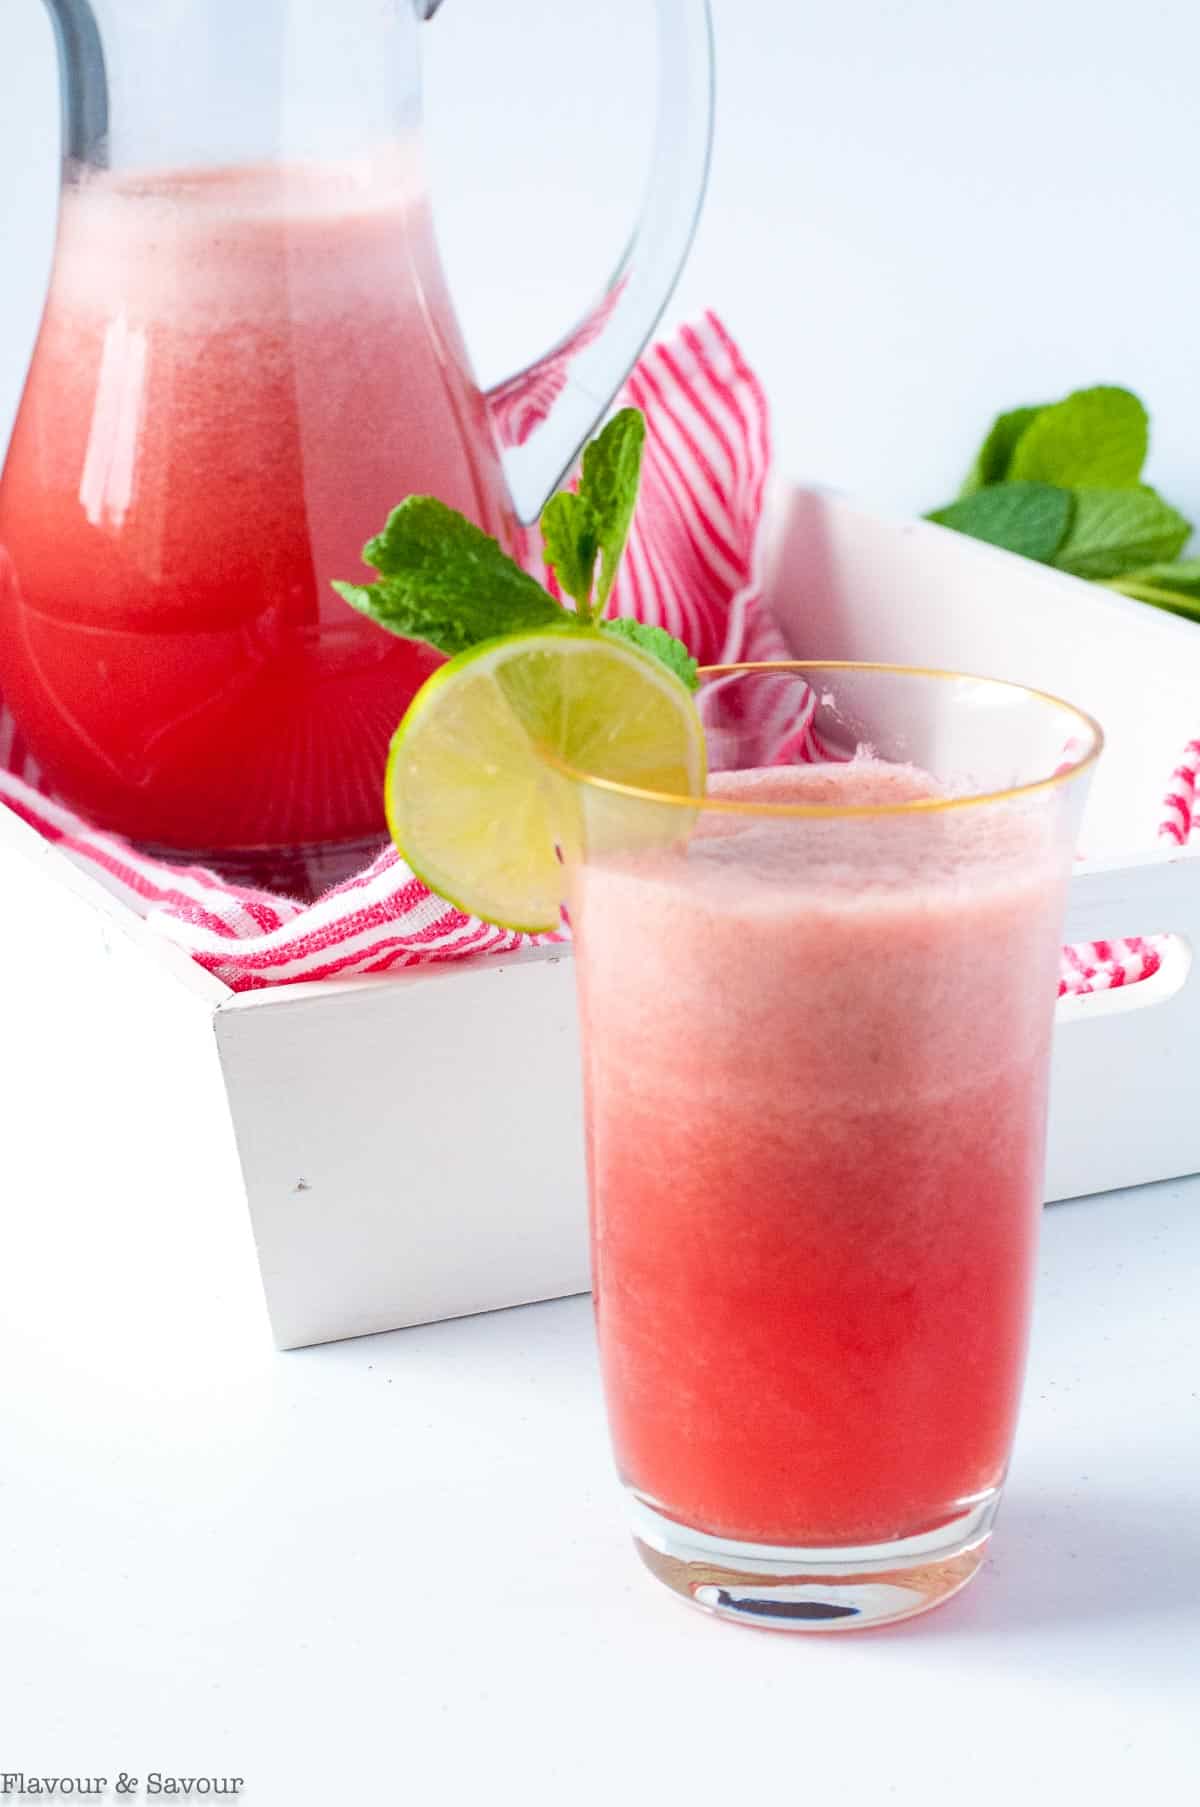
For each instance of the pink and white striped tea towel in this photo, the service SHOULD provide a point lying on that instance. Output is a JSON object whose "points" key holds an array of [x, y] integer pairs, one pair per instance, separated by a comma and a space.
{"points": [[690, 566]]}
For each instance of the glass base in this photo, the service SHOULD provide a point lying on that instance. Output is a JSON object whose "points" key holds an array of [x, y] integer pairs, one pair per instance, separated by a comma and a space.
{"points": [[302, 872], [822, 1589]]}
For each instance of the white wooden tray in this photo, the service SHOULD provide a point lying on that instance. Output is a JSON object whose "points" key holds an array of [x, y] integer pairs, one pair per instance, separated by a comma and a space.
{"points": [[410, 1148]]}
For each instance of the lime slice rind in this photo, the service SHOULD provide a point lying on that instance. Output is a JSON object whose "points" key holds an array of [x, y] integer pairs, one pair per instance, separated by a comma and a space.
{"points": [[470, 795]]}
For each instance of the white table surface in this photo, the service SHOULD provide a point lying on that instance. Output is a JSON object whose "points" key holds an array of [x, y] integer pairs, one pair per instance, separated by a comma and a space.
{"points": [[396, 1569]]}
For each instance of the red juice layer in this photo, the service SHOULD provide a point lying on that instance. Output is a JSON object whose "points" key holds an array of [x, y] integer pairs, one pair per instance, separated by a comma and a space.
{"points": [[239, 374], [815, 1059]]}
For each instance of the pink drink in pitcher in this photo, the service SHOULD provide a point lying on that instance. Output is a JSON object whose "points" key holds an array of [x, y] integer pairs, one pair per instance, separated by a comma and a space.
{"points": [[236, 380]]}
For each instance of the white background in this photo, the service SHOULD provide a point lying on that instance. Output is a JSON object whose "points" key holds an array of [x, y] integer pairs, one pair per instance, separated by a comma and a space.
{"points": [[921, 211], [395, 1569]]}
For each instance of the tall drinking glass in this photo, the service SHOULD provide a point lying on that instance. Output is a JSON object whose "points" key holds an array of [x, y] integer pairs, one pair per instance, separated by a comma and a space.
{"points": [[816, 1013]]}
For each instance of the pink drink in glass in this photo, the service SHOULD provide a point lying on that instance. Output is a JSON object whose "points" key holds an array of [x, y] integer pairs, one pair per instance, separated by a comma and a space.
{"points": [[815, 1060], [816, 1198]]}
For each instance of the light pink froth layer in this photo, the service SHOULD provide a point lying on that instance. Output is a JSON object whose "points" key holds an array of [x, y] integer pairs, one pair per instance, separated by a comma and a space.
{"points": [[206, 249]]}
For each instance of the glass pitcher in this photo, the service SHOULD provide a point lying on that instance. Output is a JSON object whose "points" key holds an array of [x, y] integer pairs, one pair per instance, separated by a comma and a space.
{"points": [[248, 357]]}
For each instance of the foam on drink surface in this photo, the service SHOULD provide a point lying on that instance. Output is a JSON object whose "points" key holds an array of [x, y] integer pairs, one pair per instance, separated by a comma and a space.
{"points": [[872, 852], [200, 248]]}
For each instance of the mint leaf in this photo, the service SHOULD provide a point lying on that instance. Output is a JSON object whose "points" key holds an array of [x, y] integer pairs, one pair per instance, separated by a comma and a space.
{"points": [[578, 528], [1119, 530], [612, 466], [1096, 438], [1028, 518], [445, 581], [1182, 577], [994, 457], [1173, 587], [659, 644], [570, 543]]}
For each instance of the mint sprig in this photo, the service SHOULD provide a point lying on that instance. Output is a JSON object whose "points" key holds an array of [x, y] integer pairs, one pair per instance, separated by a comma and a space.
{"points": [[1115, 531], [1061, 483], [1029, 518], [995, 455], [443, 580], [658, 643], [593, 523], [1096, 439], [1173, 587], [569, 545]]}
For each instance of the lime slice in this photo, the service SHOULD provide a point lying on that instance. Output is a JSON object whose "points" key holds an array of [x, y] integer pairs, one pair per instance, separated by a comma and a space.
{"points": [[468, 801]]}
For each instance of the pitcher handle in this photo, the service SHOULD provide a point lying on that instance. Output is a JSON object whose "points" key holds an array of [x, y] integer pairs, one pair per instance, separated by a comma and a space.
{"points": [[84, 82], [544, 415]]}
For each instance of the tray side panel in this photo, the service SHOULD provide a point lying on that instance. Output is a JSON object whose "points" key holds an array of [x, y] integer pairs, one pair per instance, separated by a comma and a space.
{"points": [[1122, 1106], [412, 1151]]}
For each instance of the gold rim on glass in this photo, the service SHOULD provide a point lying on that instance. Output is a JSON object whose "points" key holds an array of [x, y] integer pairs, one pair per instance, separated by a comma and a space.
{"points": [[1071, 768]]}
